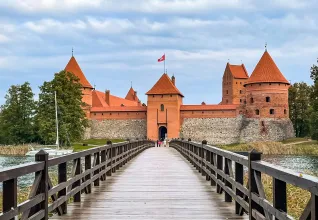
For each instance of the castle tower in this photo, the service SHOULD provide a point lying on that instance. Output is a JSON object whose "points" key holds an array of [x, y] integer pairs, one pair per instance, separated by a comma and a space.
{"points": [[267, 91], [73, 67], [163, 109], [234, 78]]}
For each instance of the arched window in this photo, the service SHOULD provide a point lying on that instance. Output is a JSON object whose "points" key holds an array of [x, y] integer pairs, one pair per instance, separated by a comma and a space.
{"points": [[285, 111], [241, 92], [257, 112], [268, 99], [252, 100], [162, 107]]}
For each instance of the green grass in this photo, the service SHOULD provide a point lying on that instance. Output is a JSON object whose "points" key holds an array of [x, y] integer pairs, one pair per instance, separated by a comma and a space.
{"points": [[292, 140], [92, 143], [270, 148]]}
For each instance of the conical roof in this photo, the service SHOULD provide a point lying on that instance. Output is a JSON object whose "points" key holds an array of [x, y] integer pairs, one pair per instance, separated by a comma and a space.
{"points": [[73, 67], [164, 86], [266, 71], [131, 95]]}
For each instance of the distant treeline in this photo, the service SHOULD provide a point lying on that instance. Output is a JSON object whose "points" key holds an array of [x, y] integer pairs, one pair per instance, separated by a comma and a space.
{"points": [[303, 106], [24, 120]]}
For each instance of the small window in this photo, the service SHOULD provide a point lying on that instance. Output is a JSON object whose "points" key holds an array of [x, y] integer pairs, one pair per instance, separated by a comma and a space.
{"points": [[268, 99], [240, 100], [270, 84], [162, 107], [227, 101], [240, 91], [202, 112], [110, 113], [153, 96], [102, 113], [257, 112], [244, 101], [285, 111], [252, 100], [236, 82], [170, 95], [271, 111], [94, 113], [241, 83], [161, 96], [227, 91]]}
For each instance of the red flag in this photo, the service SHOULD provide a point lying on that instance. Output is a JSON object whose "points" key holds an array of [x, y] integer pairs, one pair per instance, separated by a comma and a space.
{"points": [[162, 58]]}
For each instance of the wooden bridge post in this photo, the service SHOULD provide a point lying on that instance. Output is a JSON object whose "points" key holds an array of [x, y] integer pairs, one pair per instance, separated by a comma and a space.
{"points": [[279, 195], [103, 159], [227, 169], [239, 178], [253, 156], [213, 163], [97, 162], [43, 185], [88, 165], [208, 161], [77, 162], [203, 153], [62, 177], [9, 199], [109, 159], [188, 150], [219, 165], [314, 207]]}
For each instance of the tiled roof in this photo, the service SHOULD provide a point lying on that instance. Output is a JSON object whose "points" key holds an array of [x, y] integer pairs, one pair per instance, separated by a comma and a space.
{"points": [[120, 109], [74, 68], [207, 107], [266, 71], [164, 86], [99, 100], [238, 71], [131, 95]]}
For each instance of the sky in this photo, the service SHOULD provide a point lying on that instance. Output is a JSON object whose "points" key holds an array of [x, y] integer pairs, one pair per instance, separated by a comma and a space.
{"points": [[117, 42]]}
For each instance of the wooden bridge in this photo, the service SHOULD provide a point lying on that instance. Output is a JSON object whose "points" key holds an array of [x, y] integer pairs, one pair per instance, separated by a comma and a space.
{"points": [[184, 181]]}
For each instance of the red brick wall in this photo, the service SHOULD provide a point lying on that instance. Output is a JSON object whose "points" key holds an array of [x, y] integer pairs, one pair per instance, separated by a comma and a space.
{"points": [[278, 93], [172, 105], [118, 115]]}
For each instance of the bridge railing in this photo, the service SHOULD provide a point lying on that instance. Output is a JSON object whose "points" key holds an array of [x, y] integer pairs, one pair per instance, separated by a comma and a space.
{"points": [[226, 170], [44, 197]]}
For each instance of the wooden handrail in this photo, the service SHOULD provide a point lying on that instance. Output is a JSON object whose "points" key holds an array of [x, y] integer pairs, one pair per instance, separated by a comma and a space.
{"points": [[106, 160], [216, 165]]}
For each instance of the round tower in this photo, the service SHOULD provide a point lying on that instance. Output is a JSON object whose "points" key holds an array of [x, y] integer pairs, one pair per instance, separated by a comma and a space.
{"points": [[267, 91]]}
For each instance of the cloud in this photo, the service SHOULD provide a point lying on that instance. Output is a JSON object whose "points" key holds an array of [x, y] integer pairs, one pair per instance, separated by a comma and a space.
{"points": [[145, 6]]}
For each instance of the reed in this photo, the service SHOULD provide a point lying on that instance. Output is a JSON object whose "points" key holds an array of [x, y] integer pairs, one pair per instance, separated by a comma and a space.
{"points": [[270, 147], [19, 150]]}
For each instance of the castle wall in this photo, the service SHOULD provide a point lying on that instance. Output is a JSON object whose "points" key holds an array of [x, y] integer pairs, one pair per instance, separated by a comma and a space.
{"points": [[236, 130], [117, 129], [119, 115]]}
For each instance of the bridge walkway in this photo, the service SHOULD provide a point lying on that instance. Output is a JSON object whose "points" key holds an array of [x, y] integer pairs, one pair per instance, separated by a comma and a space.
{"points": [[157, 184]]}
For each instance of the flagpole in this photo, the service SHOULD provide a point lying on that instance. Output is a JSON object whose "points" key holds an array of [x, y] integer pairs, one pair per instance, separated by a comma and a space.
{"points": [[164, 64]]}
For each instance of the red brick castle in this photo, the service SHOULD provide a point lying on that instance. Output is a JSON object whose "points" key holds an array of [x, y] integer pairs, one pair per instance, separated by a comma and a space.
{"points": [[252, 108]]}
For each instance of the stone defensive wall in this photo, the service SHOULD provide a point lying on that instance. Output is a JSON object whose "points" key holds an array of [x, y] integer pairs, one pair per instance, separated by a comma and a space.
{"points": [[236, 130], [117, 123]]}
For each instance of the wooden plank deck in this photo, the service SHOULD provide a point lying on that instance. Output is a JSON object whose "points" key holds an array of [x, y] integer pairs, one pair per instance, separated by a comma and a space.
{"points": [[157, 184]]}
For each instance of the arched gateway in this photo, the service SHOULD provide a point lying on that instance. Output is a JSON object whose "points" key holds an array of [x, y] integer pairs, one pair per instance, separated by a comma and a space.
{"points": [[162, 132]]}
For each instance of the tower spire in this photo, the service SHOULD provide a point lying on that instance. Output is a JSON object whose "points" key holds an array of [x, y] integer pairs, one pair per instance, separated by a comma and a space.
{"points": [[72, 51], [131, 84], [265, 46]]}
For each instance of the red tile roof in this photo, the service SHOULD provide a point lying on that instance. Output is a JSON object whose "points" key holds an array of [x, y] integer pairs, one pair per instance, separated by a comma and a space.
{"points": [[74, 68], [120, 109], [207, 107], [238, 71], [164, 86], [131, 95], [266, 71], [99, 100]]}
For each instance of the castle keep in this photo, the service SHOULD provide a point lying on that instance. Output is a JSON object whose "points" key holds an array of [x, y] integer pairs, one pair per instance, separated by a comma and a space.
{"points": [[253, 108]]}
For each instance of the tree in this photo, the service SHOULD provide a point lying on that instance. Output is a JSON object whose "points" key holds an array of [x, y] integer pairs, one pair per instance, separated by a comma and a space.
{"points": [[17, 115], [71, 116], [299, 108], [314, 102]]}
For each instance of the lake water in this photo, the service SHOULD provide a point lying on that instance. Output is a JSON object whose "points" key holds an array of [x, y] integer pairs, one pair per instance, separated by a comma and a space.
{"points": [[297, 163]]}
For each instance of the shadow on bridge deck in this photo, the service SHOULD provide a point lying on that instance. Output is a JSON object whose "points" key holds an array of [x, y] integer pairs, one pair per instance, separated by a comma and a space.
{"points": [[158, 184]]}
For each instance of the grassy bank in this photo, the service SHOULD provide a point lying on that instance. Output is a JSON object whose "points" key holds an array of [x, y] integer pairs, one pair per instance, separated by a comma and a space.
{"points": [[90, 143], [307, 148], [19, 150], [297, 198]]}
